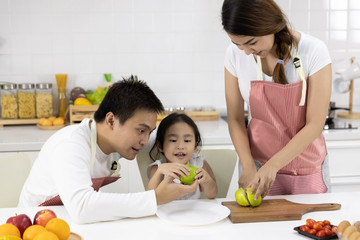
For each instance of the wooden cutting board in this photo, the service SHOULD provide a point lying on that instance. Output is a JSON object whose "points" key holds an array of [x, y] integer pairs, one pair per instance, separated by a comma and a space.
{"points": [[274, 210]]}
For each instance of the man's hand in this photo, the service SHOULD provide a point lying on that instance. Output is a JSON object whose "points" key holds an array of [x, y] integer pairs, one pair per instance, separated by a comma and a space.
{"points": [[168, 191]]}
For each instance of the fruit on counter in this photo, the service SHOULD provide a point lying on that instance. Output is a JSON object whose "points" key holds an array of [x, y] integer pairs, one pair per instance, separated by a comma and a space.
{"points": [[189, 179], [59, 227], [97, 96], [82, 101], [32, 231], [46, 236], [319, 228], [9, 229], [246, 198], [51, 121], [9, 237], [76, 92], [21, 221], [42, 217]]}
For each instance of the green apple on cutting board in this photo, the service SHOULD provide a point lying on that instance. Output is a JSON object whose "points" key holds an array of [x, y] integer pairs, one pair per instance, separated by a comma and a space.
{"points": [[246, 198]]}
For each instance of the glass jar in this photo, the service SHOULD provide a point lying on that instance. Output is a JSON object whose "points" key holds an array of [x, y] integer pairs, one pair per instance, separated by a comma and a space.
{"points": [[26, 99], [44, 100], [9, 100]]}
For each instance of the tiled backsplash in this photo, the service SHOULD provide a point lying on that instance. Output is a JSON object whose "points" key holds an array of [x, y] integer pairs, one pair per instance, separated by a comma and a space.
{"points": [[177, 46]]}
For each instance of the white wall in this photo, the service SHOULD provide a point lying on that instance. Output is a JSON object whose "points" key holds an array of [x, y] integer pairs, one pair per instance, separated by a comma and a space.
{"points": [[177, 46]]}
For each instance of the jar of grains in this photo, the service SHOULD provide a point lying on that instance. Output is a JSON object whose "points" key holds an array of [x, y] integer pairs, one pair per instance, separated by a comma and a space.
{"points": [[44, 100], [26, 99], [9, 100]]}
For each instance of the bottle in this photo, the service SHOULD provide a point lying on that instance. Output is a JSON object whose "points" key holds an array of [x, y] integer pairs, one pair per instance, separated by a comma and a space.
{"points": [[44, 100], [9, 100], [26, 100], [61, 84]]}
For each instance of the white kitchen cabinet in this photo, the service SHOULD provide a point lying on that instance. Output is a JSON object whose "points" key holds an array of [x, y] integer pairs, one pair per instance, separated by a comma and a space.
{"points": [[31, 154], [344, 159]]}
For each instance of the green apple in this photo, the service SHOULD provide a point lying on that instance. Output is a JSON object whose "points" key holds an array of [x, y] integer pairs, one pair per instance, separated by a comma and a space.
{"points": [[246, 198], [189, 179], [251, 196], [241, 198]]}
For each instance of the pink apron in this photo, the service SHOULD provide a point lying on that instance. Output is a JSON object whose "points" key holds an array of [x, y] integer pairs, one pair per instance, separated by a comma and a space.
{"points": [[278, 113], [97, 183]]}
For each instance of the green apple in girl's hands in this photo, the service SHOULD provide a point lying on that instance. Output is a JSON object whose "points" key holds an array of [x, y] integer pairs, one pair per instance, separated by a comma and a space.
{"points": [[189, 179]]}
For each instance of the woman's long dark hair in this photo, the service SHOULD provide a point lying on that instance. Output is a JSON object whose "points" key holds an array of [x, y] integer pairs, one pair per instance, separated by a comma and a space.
{"points": [[259, 18], [167, 122]]}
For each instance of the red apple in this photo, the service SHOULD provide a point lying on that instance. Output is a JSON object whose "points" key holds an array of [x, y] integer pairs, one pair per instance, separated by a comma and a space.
{"points": [[21, 221], [43, 216]]}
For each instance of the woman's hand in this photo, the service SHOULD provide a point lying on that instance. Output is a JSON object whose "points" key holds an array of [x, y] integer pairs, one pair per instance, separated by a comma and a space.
{"points": [[246, 177], [174, 170], [263, 180]]}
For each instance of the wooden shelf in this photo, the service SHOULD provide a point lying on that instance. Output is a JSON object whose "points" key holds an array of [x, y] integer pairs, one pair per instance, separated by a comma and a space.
{"points": [[29, 121], [77, 113]]}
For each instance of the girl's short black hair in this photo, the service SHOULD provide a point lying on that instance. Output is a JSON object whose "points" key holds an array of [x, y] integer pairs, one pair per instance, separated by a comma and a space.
{"points": [[167, 122], [127, 96]]}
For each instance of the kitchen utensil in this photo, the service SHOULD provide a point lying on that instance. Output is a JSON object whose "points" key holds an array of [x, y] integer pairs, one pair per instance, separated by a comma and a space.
{"points": [[61, 84], [340, 84], [192, 212], [331, 111], [274, 210]]}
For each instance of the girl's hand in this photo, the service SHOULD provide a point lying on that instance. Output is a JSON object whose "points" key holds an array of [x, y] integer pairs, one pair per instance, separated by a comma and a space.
{"points": [[263, 180], [174, 170], [203, 176]]}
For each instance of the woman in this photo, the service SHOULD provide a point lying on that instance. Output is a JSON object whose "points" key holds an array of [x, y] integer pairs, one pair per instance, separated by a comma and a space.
{"points": [[285, 78]]}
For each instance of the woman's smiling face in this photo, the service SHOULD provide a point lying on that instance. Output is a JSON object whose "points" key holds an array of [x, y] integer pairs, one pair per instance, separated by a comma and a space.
{"points": [[260, 46]]}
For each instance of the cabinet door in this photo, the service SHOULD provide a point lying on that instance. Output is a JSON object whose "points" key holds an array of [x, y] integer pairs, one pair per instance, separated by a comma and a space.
{"points": [[344, 165], [14, 169]]}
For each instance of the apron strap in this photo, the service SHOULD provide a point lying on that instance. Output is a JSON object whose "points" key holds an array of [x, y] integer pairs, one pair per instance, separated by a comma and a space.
{"points": [[260, 75], [300, 70], [115, 167], [301, 73]]}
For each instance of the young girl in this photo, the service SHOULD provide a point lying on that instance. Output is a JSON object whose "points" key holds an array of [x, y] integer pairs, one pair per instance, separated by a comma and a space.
{"points": [[177, 141]]}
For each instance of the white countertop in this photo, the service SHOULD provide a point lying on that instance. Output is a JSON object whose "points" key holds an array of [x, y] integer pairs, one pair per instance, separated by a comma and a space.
{"points": [[31, 138], [152, 227]]}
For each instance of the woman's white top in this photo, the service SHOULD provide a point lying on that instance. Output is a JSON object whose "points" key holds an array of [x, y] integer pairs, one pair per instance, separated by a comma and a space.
{"points": [[313, 53], [195, 160]]}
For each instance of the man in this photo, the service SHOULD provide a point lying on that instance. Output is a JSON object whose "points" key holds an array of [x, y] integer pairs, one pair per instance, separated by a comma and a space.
{"points": [[77, 160]]}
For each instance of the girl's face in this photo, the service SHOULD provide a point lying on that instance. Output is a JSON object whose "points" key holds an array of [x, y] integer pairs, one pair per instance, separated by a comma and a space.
{"points": [[179, 143], [260, 46]]}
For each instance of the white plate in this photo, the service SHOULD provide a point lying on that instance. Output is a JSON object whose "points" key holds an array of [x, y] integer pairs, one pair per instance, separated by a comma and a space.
{"points": [[192, 212]]}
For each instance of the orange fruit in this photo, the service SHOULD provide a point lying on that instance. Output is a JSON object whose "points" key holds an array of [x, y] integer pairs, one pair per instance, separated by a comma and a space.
{"points": [[41, 120], [51, 118], [32, 231], [45, 122], [9, 237], [58, 121], [60, 227], [46, 236], [9, 229]]}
